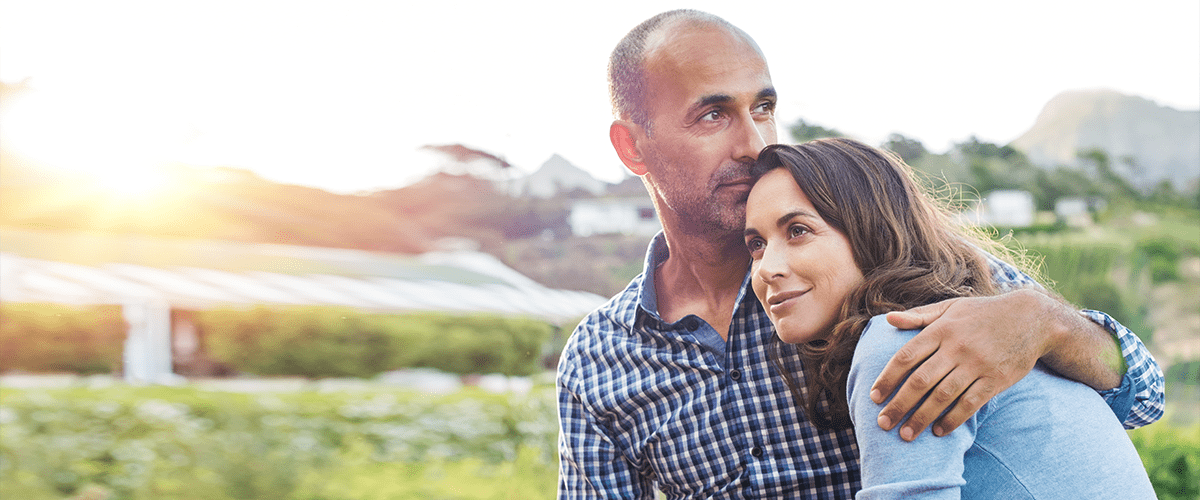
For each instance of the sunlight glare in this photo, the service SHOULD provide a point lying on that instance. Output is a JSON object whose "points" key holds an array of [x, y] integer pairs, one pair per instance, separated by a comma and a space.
{"points": [[136, 182], [120, 144]]}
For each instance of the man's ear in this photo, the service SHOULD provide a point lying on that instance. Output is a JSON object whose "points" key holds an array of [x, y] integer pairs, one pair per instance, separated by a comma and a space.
{"points": [[626, 139]]}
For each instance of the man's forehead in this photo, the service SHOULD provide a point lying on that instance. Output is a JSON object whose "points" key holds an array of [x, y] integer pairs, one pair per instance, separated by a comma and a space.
{"points": [[700, 61], [684, 41]]}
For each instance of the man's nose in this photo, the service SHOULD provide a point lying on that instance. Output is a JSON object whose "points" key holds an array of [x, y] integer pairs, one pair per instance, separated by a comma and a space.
{"points": [[753, 138]]}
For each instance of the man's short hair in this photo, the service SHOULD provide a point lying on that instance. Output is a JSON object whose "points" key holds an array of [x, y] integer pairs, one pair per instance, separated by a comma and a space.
{"points": [[627, 81]]}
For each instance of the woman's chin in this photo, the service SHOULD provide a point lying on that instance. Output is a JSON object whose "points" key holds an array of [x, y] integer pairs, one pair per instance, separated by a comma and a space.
{"points": [[790, 334]]}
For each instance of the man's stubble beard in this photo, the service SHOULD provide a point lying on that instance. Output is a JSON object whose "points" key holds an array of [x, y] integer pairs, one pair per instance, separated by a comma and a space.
{"points": [[712, 213]]}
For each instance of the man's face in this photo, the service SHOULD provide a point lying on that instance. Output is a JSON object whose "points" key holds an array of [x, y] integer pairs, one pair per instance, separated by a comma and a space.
{"points": [[712, 108]]}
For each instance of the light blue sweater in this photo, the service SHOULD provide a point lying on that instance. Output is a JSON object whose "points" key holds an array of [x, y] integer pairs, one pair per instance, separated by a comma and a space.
{"points": [[1044, 437]]}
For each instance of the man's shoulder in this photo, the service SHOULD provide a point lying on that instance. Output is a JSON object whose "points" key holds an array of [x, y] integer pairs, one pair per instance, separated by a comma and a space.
{"points": [[617, 315]]}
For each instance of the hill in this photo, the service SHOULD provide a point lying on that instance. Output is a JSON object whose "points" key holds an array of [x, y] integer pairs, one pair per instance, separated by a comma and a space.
{"points": [[1149, 143], [557, 175]]}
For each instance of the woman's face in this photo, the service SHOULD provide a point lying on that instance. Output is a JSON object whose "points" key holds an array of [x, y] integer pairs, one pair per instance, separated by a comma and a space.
{"points": [[802, 268]]}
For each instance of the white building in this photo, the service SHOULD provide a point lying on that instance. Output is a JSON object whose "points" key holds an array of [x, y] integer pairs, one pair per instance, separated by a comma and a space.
{"points": [[1004, 208], [627, 216]]}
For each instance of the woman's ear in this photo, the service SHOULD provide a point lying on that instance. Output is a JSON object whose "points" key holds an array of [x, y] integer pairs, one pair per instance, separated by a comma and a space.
{"points": [[626, 139]]}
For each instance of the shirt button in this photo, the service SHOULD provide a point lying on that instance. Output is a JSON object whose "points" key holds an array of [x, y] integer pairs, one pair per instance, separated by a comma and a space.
{"points": [[691, 324], [735, 374], [756, 452]]}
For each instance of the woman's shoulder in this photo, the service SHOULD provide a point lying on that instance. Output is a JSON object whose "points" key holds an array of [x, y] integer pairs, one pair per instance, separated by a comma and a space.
{"points": [[878, 342], [880, 339]]}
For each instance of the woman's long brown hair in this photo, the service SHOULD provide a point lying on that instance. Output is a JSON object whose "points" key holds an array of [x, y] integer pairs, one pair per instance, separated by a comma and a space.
{"points": [[909, 250]]}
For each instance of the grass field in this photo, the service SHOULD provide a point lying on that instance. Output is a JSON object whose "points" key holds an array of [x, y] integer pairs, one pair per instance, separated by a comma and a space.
{"points": [[144, 443]]}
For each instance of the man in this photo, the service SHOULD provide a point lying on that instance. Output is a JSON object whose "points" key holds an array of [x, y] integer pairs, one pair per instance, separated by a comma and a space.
{"points": [[670, 384]]}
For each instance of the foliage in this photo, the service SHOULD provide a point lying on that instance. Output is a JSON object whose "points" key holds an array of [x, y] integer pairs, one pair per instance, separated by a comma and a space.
{"points": [[1186, 373], [1172, 459], [1083, 273], [182, 443], [124, 443], [1113, 184], [299, 341], [907, 148], [1163, 253], [336, 342], [803, 131], [51, 337]]}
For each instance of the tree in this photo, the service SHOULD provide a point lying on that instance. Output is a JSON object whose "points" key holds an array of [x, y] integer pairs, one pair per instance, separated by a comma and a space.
{"points": [[907, 148], [803, 131], [974, 147], [1109, 180]]}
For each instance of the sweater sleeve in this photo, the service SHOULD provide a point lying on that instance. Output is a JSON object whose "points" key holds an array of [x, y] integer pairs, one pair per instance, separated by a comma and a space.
{"points": [[930, 467]]}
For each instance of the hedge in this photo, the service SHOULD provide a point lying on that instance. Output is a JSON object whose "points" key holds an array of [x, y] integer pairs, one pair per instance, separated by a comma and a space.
{"points": [[59, 338], [300, 341], [336, 342]]}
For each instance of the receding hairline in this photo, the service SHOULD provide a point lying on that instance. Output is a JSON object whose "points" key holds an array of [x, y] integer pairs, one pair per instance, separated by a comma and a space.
{"points": [[689, 20], [627, 71]]}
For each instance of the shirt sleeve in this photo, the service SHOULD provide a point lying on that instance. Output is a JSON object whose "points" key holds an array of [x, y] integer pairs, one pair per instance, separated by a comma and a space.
{"points": [[930, 467], [1139, 399], [590, 463]]}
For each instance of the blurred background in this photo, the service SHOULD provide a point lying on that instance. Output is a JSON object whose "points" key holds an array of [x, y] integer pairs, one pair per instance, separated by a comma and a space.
{"points": [[332, 249]]}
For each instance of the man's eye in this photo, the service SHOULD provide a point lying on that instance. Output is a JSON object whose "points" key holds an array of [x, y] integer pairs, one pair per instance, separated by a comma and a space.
{"points": [[711, 116], [766, 107]]}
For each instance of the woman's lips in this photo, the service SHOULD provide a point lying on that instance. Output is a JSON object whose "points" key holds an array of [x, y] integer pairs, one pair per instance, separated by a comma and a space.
{"points": [[781, 300]]}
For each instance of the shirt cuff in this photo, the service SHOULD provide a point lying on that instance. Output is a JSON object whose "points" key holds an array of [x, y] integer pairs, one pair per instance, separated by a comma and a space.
{"points": [[1138, 401]]}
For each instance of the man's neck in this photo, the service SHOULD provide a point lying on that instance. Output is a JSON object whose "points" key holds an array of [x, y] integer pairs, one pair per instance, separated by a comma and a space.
{"points": [[701, 276]]}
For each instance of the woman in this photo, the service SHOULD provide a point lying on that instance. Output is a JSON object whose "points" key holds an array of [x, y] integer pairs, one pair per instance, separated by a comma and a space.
{"points": [[840, 235]]}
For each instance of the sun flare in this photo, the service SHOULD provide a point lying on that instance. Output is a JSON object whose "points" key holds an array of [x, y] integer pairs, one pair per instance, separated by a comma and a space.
{"points": [[120, 145]]}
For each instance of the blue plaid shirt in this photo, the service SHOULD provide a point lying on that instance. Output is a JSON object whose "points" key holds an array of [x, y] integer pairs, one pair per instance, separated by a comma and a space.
{"points": [[647, 404]]}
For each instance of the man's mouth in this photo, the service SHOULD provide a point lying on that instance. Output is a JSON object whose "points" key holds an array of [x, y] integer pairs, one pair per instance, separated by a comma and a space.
{"points": [[748, 181]]}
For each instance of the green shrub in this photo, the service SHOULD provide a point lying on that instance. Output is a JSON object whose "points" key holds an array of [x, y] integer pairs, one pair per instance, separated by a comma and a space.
{"points": [[1162, 254], [335, 342], [58, 338], [126, 443], [150, 443], [299, 341], [1084, 274], [1172, 459]]}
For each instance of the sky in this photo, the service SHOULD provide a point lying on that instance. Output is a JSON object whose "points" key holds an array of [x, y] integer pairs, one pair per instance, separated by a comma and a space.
{"points": [[342, 94]]}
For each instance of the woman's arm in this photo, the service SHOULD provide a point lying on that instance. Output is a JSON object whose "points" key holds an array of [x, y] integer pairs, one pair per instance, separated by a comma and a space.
{"points": [[977, 347], [929, 467]]}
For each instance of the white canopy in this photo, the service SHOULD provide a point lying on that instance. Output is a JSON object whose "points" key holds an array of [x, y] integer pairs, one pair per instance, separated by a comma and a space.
{"points": [[461, 282]]}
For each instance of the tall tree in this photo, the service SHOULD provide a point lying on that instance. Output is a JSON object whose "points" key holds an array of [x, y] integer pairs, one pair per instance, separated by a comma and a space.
{"points": [[908, 148], [803, 131]]}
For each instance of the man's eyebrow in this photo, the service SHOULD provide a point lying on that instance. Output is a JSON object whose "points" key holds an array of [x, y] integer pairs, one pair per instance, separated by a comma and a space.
{"points": [[709, 100]]}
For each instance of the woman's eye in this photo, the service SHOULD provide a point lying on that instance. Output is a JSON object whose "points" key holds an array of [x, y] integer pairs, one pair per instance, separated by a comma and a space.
{"points": [[754, 245], [796, 231]]}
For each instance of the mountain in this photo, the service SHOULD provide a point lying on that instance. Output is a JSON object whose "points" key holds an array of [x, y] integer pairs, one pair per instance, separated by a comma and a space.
{"points": [[1147, 142], [557, 175]]}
